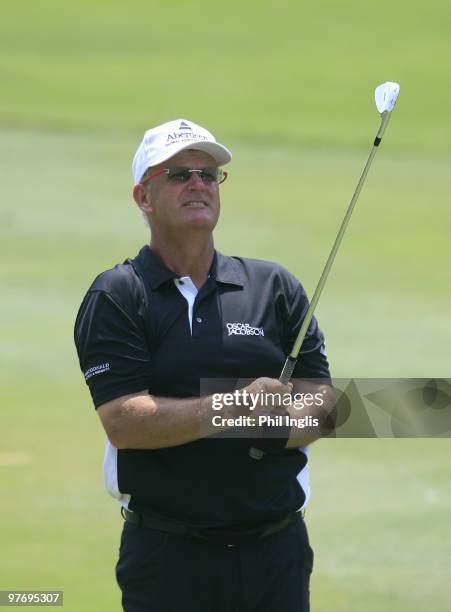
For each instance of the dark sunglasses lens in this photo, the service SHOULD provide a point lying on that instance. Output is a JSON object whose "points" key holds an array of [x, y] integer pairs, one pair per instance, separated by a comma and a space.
{"points": [[179, 175], [209, 175]]}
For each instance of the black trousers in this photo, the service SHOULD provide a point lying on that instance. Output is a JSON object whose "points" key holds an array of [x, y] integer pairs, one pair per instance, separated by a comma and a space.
{"points": [[164, 572]]}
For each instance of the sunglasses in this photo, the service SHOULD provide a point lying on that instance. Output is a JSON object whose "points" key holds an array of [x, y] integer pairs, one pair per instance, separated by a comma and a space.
{"points": [[183, 175]]}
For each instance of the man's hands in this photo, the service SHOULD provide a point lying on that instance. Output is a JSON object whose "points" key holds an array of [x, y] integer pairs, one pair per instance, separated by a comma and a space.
{"points": [[265, 396], [308, 408], [140, 420]]}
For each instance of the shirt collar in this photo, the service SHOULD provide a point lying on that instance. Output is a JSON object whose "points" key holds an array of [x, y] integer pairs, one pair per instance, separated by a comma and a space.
{"points": [[226, 270], [155, 271], [223, 269]]}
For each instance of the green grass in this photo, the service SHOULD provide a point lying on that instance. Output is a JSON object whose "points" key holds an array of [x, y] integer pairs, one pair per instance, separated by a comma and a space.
{"points": [[380, 542], [289, 88], [265, 72]]}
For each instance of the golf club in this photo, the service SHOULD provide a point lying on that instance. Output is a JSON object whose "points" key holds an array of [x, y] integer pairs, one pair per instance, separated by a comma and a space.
{"points": [[385, 97]]}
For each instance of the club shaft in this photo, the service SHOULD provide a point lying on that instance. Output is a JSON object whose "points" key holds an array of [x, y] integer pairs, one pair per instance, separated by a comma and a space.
{"points": [[290, 363], [292, 358]]}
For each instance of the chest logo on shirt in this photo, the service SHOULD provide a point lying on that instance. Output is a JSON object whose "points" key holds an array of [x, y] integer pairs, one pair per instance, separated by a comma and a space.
{"points": [[244, 329]]}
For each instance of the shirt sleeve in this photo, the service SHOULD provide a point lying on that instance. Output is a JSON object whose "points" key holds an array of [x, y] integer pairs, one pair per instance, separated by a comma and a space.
{"points": [[112, 349], [312, 362]]}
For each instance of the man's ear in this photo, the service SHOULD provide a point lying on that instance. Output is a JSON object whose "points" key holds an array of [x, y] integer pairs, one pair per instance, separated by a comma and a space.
{"points": [[142, 198]]}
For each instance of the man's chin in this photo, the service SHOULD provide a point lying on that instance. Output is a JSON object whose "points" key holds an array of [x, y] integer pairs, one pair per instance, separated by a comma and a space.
{"points": [[201, 219], [201, 225]]}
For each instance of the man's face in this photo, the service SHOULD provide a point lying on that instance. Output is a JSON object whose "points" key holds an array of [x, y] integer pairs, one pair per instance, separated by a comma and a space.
{"points": [[172, 206]]}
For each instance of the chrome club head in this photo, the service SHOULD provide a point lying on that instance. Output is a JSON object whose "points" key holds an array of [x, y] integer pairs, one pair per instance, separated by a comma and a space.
{"points": [[386, 96]]}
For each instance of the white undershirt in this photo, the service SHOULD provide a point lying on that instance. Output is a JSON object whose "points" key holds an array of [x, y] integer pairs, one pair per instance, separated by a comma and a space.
{"points": [[189, 291]]}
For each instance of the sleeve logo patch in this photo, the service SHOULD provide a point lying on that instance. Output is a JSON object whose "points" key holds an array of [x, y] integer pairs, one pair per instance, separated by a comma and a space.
{"points": [[98, 369]]}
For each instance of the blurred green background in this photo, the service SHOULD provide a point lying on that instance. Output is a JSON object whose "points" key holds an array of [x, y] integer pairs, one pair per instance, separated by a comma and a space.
{"points": [[288, 86]]}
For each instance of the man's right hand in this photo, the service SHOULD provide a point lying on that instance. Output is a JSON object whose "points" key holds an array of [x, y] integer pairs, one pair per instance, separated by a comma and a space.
{"points": [[269, 396]]}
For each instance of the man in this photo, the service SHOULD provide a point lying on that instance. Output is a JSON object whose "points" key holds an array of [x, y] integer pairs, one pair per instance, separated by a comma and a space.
{"points": [[207, 527]]}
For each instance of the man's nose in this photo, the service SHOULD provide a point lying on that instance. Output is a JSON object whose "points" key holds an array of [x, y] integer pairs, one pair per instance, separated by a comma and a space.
{"points": [[195, 181]]}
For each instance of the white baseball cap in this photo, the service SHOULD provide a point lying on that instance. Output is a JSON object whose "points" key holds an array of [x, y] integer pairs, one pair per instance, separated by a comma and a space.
{"points": [[166, 140]]}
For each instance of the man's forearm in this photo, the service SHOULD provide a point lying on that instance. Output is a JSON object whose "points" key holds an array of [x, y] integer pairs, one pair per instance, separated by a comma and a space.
{"points": [[317, 419], [142, 421]]}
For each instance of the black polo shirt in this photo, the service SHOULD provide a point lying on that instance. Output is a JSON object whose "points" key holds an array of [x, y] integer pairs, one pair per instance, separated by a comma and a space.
{"points": [[133, 332]]}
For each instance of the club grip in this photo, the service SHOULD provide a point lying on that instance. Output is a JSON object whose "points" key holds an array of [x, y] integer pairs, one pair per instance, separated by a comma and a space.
{"points": [[288, 369], [256, 453], [284, 378]]}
